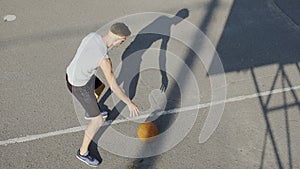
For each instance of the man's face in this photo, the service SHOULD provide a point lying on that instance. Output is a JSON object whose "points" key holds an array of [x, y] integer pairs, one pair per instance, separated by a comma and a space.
{"points": [[119, 41]]}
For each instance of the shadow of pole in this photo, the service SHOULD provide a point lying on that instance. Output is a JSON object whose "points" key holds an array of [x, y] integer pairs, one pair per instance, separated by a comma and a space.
{"points": [[285, 106], [47, 36], [284, 80], [267, 121]]}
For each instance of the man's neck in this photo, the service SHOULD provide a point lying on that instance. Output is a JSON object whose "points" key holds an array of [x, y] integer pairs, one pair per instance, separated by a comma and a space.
{"points": [[107, 41]]}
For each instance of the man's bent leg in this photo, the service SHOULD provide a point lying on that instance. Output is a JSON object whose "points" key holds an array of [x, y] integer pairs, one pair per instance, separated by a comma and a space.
{"points": [[90, 132]]}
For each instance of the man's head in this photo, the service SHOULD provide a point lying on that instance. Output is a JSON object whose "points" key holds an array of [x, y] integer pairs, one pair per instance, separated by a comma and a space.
{"points": [[118, 33], [180, 15]]}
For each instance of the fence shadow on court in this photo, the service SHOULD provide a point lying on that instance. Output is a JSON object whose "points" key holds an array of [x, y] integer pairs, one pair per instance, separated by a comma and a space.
{"points": [[251, 40]]}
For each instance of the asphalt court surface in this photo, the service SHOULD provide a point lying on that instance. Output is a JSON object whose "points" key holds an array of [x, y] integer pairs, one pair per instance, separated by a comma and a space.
{"points": [[257, 42]]}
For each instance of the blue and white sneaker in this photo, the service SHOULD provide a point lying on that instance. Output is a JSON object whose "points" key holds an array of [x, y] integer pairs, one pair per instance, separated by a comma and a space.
{"points": [[103, 113], [88, 159]]}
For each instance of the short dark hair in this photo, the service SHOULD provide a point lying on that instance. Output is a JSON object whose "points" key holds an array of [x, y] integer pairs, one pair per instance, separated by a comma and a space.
{"points": [[120, 29]]}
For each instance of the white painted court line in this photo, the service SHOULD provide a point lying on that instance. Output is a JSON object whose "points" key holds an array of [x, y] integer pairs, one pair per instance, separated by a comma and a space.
{"points": [[199, 106]]}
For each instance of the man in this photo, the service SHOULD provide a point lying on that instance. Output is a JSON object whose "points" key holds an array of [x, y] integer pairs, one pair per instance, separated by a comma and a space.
{"points": [[86, 87]]}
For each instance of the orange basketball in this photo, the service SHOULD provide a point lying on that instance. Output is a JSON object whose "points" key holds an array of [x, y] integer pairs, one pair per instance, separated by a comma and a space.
{"points": [[147, 131]]}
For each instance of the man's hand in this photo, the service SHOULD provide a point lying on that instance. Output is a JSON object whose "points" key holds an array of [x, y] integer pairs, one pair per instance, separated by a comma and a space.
{"points": [[106, 67], [134, 111], [164, 83]]}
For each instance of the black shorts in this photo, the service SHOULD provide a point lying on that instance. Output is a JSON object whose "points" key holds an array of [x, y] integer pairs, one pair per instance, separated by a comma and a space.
{"points": [[85, 95]]}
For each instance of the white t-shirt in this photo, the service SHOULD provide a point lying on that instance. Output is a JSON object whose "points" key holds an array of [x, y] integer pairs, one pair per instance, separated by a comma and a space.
{"points": [[92, 49]]}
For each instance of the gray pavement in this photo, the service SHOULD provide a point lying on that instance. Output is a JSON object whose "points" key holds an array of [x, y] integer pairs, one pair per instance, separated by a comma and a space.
{"points": [[257, 42]]}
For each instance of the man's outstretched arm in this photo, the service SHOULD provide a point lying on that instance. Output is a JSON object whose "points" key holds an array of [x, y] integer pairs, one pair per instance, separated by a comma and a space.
{"points": [[106, 67]]}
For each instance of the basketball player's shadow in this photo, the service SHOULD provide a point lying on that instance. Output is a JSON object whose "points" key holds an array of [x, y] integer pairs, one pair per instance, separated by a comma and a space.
{"points": [[159, 29]]}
